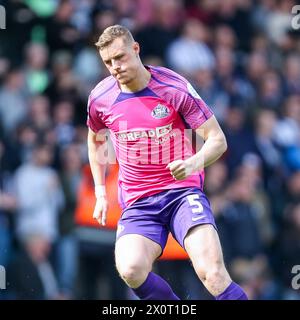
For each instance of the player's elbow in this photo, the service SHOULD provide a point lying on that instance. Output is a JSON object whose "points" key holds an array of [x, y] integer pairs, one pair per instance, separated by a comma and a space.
{"points": [[223, 144]]}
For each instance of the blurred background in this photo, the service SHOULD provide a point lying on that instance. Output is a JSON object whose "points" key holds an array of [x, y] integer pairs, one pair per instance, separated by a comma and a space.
{"points": [[243, 58]]}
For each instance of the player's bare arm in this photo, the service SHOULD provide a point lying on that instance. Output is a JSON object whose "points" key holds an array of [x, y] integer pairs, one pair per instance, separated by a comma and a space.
{"points": [[98, 167], [215, 145]]}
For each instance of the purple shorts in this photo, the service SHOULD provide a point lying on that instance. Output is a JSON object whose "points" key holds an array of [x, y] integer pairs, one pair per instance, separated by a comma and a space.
{"points": [[176, 210]]}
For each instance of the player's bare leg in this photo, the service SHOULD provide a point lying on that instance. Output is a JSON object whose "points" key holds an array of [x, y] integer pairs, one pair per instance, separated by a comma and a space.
{"points": [[134, 256], [203, 247]]}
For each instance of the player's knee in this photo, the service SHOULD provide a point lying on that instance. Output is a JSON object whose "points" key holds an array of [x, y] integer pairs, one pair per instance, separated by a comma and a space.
{"points": [[217, 279], [134, 275], [212, 274]]}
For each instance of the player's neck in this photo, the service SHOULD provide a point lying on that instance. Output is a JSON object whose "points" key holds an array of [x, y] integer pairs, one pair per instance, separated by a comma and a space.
{"points": [[139, 83]]}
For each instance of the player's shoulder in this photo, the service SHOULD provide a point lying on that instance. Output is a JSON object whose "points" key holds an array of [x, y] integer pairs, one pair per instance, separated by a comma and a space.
{"points": [[169, 76], [175, 81], [103, 87]]}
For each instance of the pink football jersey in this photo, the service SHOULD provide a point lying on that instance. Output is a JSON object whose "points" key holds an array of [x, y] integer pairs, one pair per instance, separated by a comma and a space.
{"points": [[149, 129]]}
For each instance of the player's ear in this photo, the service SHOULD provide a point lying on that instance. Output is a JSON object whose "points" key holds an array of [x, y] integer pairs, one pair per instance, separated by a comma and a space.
{"points": [[136, 47]]}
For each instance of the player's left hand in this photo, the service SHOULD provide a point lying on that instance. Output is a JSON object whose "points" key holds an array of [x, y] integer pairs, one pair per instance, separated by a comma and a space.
{"points": [[180, 169]]}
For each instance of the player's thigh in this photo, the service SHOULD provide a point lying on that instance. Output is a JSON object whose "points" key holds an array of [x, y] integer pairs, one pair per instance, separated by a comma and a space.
{"points": [[204, 249], [136, 250], [192, 209]]}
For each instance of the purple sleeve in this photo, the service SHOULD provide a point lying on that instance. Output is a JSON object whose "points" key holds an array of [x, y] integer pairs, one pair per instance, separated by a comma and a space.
{"points": [[94, 121], [192, 108]]}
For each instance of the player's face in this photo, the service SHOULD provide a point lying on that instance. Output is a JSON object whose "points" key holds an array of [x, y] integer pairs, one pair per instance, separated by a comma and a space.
{"points": [[122, 60]]}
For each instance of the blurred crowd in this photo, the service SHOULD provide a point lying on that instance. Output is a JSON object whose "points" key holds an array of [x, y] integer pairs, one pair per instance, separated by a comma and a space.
{"points": [[242, 57]]}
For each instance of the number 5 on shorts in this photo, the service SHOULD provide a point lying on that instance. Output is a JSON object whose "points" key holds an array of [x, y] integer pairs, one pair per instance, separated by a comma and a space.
{"points": [[195, 202]]}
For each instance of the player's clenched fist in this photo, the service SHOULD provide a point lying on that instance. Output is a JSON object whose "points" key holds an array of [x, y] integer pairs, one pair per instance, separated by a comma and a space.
{"points": [[101, 206], [180, 169]]}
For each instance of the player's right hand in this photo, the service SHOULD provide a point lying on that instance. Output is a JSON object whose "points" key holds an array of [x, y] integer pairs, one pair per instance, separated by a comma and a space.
{"points": [[100, 210]]}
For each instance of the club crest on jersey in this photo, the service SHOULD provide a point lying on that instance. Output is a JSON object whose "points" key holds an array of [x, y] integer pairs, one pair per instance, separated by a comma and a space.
{"points": [[160, 111]]}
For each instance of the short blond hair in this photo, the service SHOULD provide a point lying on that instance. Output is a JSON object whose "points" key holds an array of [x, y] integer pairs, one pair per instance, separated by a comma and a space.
{"points": [[111, 33]]}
